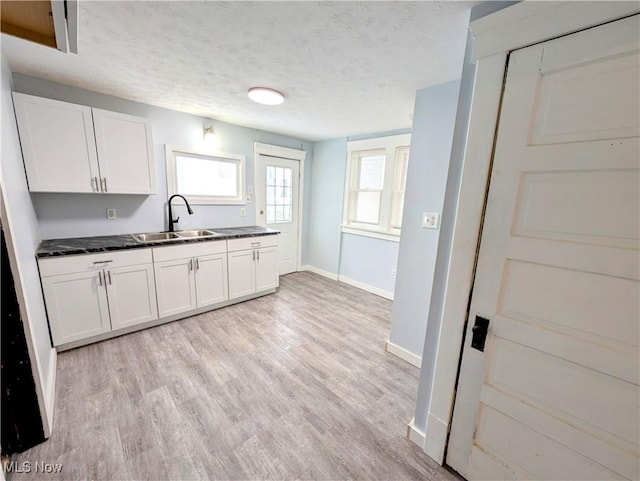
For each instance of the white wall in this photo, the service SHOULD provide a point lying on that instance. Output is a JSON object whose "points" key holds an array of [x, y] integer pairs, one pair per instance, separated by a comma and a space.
{"points": [[75, 215], [433, 123], [21, 229]]}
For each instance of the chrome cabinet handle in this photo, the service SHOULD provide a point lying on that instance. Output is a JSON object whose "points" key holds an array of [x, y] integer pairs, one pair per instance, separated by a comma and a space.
{"points": [[197, 264], [104, 184], [190, 265], [109, 276], [100, 278], [96, 188], [103, 262], [254, 255], [258, 255], [256, 244]]}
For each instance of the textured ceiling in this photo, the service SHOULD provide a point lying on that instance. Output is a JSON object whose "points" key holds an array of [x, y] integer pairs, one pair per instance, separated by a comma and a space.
{"points": [[346, 68]]}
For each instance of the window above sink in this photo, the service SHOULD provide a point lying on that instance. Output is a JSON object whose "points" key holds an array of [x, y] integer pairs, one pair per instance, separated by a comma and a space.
{"points": [[205, 177]]}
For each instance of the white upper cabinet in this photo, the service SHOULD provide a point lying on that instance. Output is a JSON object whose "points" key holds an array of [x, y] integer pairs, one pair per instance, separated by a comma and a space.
{"points": [[58, 145], [74, 148], [124, 148]]}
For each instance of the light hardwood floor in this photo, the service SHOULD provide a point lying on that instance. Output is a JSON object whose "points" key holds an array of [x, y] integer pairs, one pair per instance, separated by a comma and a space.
{"points": [[295, 385]]}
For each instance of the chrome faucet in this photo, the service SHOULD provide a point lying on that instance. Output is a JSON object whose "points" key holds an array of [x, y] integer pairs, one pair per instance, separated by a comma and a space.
{"points": [[171, 219]]}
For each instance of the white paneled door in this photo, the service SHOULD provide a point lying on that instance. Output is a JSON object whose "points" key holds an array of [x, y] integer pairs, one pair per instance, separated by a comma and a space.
{"points": [[277, 195], [554, 394]]}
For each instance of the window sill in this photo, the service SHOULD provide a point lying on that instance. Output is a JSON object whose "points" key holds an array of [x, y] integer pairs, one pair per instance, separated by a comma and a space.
{"points": [[371, 233]]}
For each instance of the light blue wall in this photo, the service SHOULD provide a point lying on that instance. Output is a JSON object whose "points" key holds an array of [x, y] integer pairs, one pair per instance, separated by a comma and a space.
{"points": [[25, 236], [327, 193], [433, 123], [366, 260], [73, 215], [369, 260]]}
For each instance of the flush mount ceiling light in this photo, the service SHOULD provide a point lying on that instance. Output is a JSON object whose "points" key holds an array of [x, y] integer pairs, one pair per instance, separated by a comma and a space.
{"points": [[265, 96]]}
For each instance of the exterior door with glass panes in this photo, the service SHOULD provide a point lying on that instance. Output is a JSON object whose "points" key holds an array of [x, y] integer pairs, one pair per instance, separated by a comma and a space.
{"points": [[277, 182]]}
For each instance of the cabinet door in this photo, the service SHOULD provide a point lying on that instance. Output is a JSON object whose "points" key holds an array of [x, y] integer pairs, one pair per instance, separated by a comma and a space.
{"points": [[131, 294], [175, 286], [267, 269], [58, 145], [211, 279], [242, 276], [76, 306], [125, 153]]}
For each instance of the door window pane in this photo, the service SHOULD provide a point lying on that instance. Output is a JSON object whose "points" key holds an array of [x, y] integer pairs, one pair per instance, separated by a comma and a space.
{"points": [[279, 194]]}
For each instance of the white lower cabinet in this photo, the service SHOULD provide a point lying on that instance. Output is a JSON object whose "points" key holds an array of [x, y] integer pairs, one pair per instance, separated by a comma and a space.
{"points": [[190, 276], [211, 279], [131, 294], [88, 295], [76, 306], [253, 265], [242, 273], [91, 295]]}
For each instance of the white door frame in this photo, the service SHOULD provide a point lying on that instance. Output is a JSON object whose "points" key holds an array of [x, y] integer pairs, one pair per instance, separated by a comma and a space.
{"points": [[283, 153], [494, 36]]}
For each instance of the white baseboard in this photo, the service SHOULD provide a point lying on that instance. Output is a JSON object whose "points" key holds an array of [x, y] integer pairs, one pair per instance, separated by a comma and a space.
{"points": [[50, 393], [415, 435], [435, 438], [366, 287], [403, 354], [352, 282], [320, 272]]}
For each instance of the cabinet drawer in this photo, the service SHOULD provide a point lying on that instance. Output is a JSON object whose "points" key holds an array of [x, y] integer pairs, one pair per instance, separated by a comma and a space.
{"points": [[245, 243], [197, 249], [53, 266]]}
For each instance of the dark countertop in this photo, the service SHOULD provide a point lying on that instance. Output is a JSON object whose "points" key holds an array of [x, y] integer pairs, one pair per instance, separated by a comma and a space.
{"points": [[88, 245]]}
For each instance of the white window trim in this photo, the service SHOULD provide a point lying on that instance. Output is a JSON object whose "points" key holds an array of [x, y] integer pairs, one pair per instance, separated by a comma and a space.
{"points": [[389, 143], [170, 153], [376, 234]]}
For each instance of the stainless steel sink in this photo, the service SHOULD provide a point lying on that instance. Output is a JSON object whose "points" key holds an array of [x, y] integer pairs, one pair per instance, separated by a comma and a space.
{"points": [[196, 233], [155, 236]]}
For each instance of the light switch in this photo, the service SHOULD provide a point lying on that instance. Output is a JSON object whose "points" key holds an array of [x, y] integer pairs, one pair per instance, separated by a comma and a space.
{"points": [[430, 220], [111, 214]]}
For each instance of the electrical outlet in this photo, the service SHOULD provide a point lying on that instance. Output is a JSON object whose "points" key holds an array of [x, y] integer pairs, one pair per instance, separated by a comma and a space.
{"points": [[393, 273], [111, 214], [243, 211], [430, 220]]}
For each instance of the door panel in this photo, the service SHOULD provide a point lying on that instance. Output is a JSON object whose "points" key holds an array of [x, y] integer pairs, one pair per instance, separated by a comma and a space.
{"points": [[131, 294], [175, 286], [267, 269], [211, 279], [58, 144], [76, 306], [277, 198], [242, 273], [555, 394], [124, 152]]}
